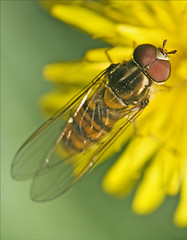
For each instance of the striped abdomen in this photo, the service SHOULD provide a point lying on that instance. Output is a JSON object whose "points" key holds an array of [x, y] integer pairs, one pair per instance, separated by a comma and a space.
{"points": [[89, 124]]}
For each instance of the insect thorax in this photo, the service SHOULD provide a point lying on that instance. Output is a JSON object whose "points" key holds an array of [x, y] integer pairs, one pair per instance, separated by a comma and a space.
{"points": [[129, 83]]}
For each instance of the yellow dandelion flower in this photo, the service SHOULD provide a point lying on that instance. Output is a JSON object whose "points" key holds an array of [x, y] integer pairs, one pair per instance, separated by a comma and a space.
{"points": [[159, 154]]}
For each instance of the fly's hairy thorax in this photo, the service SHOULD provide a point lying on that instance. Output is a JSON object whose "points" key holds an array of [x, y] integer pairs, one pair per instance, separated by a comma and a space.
{"points": [[124, 90]]}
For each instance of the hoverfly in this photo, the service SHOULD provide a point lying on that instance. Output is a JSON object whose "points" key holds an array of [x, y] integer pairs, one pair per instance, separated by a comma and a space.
{"points": [[72, 141]]}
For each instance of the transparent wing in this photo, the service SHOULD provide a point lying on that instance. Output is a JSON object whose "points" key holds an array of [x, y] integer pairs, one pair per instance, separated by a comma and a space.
{"points": [[37, 147]]}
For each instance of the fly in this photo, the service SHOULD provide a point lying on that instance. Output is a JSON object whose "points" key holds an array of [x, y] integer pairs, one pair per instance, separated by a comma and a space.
{"points": [[73, 140]]}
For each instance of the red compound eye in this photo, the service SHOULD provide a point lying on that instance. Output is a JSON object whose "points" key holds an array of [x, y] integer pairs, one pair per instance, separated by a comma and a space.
{"points": [[145, 55], [160, 70]]}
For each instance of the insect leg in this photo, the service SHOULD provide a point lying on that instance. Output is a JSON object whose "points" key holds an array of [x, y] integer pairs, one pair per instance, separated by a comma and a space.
{"points": [[108, 56]]}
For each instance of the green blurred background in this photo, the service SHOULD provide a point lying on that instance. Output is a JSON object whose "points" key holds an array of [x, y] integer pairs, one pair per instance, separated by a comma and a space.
{"points": [[30, 39]]}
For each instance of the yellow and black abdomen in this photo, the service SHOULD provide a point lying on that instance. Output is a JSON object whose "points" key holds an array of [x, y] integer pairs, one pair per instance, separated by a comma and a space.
{"points": [[89, 124]]}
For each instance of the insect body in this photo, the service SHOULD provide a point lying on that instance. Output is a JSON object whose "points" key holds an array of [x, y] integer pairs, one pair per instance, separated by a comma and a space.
{"points": [[69, 144], [119, 95]]}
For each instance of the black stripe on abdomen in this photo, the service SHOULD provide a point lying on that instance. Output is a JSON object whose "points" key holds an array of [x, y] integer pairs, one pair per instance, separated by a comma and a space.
{"points": [[89, 125]]}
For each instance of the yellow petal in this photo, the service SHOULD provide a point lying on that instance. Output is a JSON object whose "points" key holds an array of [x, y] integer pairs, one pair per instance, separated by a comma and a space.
{"points": [[162, 16], [141, 35], [117, 54], [169, 164], [78, 73], [143, 13], [150, 193], [179, 9], [124, 174], [85, 19], [182, 69], [120, 11]]}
